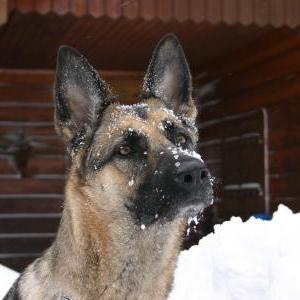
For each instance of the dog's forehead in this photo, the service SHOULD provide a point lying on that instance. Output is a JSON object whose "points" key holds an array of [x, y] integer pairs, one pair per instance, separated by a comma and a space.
{"points": [[140, 116]]}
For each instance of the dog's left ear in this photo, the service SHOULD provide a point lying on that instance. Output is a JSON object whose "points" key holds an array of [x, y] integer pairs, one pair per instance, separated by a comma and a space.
{"points": [[168, 77], [80, 94]]}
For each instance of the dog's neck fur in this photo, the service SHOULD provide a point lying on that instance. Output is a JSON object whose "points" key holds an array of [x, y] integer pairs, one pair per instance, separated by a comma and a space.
{"points": [[88, 246]]}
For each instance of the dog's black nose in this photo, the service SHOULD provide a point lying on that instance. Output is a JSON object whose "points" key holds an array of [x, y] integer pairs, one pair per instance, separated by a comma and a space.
{"points": [[190, 174]]}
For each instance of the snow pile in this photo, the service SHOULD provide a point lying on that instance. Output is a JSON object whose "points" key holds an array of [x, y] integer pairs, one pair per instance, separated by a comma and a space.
{"points": [[7, 278], [253, 260]]}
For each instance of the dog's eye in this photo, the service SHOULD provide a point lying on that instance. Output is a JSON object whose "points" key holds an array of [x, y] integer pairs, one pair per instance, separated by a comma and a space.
{"points": [[125, 150], [181, 140]]}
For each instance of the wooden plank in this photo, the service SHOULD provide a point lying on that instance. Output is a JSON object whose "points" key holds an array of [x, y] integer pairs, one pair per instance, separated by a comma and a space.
{"points": [[243, 154], [30, 77], [284, 114], [277, 11], [25, 185], [25, 6], [31, 95], [96, 8], [229, 126], [286, 64], [130, 9], [30, 131], [53, 150], [33, 203], [164, 10], [37, 145], [40, 165], [46, 77], [3, 12], [27, 114], [266, 47], [286, 185], [268, 94], [284, 137], [61, 7], [230, 11], [42, 7], [261, 12], [214, 11], [127, 87], [245, 12], [27, 225], [181, 10], [252, 160], [11, 5], [113, 8], [197, 10], [44, 165], [6, 167], [292, 14], [79, 7], [147, 9], [231, 157], [18, 263], [27, 245], [285, 160], [234, 192]]}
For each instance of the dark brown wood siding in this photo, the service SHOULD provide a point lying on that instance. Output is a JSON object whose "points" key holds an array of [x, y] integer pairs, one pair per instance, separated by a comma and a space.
{"points": [[32, 161], [265, 76]]}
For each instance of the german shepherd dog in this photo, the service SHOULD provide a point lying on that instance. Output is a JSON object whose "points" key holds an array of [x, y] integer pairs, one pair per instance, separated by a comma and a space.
{"points": [[134, 179]]}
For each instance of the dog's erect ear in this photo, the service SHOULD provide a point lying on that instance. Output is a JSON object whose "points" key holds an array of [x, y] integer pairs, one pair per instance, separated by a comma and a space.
{"points": [[80, 94], [168, 77]]}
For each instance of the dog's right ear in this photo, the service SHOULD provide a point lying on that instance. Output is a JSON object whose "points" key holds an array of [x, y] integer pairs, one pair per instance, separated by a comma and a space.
{"points": [[80, 94], [169, 79]]}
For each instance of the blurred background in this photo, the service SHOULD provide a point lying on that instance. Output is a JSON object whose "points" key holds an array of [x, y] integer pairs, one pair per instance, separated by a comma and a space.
{"points": [[245, 60]]}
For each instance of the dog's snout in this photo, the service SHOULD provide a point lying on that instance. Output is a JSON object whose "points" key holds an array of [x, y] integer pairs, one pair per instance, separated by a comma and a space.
{"points": [[180, 185], [191, 173]]}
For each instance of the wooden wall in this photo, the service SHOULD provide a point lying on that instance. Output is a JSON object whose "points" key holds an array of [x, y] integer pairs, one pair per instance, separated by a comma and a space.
{"points": [[262, 79], [32, 161]]}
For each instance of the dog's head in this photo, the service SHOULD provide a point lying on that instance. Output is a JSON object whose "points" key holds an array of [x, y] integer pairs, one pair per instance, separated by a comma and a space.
{"points": [[136, 160]]}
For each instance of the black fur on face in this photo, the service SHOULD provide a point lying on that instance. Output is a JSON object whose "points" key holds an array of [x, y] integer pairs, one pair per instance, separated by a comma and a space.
{"points": [[167, 191]]}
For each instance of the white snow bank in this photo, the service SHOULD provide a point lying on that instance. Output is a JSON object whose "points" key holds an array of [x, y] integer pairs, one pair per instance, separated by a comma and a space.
{"points": [[253, 260], [7, 278]]}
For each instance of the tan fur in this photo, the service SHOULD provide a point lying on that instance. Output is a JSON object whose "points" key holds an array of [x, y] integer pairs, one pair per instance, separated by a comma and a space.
{"points": [[99, 253]]}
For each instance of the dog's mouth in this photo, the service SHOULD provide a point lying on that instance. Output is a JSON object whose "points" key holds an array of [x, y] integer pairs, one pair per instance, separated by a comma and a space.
{"points": [[190, 211], [192, 207], [180, 208]]}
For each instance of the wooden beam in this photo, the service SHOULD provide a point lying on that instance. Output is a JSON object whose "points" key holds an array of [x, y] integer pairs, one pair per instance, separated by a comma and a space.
{"points": [[3, 11]]}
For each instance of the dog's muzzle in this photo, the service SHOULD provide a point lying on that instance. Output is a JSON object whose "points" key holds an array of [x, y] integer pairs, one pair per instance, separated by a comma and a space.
{"points": [[177, 185]]}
